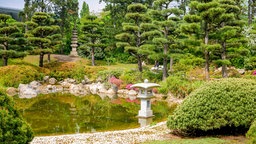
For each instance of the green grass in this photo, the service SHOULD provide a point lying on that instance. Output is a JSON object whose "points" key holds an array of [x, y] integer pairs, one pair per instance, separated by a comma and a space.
{"points": [[205, 140]]}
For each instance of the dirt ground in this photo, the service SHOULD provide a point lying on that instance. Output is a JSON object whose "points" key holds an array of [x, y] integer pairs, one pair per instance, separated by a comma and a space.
{"points": [[65, 58]]}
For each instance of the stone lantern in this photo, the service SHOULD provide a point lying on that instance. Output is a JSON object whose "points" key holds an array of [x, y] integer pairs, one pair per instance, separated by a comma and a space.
{"points": [[145, 94]]}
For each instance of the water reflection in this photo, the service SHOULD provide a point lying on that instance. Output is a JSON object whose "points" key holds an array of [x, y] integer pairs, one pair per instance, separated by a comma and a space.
{"points": [[63, 113]]}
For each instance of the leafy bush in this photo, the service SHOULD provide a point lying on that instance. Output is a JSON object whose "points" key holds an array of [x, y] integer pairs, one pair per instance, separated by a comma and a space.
{"points": [[130, 77], [13, 75], [179, 86], [106, 74], [226, 105], [13, 128], [251, 134]]}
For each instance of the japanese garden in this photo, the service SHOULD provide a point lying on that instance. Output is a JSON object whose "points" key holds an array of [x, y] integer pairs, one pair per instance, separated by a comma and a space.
{"points": [[141, 71]]}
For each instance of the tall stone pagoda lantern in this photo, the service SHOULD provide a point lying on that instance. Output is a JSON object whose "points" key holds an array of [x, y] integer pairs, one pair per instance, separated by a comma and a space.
{"points": [[145, 94], [74, 43]]}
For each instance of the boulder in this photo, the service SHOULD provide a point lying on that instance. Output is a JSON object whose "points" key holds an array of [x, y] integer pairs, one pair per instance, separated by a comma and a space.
{"points": [[11, 91], [69, 80], [34, 84], [78, 90], [132, 93], [52, 81], [25, 91], [46, 79], [65, 84]]}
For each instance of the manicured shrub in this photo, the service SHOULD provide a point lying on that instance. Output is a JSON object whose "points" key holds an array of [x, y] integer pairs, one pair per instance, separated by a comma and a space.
{"points": [[13, 75], [251, 134], [13, 129], [226, 105]]}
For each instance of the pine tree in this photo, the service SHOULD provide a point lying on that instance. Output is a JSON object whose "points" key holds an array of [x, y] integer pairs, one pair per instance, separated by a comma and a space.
{"points": [[39, 34], [92, 36], [228, 34], [136, 32], [167, 19], [85, 10], [11, 39], [202, 21]]}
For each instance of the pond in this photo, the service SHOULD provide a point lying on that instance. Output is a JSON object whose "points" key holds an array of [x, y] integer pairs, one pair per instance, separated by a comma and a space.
{"points": [[54, 114]]}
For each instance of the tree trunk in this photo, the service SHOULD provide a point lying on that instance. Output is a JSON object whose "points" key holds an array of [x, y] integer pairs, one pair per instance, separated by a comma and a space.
{"points": [[93, 58], [140, 64], [5, 60], [41, 60], [49, 57], [206, 53], [171, 63], [223, 57], [165, 73], [249, 12]]}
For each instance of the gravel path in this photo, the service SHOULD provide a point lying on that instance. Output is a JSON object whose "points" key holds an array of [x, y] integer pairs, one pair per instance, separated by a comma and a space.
{"points": [[130, 136]]}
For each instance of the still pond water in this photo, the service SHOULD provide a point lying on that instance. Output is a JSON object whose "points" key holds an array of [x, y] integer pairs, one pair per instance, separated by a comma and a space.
{"points": [[66, 114]]}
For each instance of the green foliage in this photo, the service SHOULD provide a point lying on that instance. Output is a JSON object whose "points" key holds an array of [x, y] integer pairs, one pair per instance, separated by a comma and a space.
{"points": [[179, 86], [13, 128], [251, 134], [131, 77], [250, 63], [106, 74], [13, 75], [221, 106]]}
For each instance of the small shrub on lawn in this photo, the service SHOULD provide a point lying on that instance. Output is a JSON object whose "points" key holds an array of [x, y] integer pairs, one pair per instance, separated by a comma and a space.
{"points": [[221, 106], [251, 134]]}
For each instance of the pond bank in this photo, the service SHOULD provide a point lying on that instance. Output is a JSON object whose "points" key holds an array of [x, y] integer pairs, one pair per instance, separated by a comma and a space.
{"points": [[130, 136]]}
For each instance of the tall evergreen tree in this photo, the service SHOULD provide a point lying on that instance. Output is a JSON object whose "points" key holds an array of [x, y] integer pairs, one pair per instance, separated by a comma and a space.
{"points": [[10, 39], [40, 33], [85, 10], [92, 36], [202, 21], [136, 32], [166, 18]]}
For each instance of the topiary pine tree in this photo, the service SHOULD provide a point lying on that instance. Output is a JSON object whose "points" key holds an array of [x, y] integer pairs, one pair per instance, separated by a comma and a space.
{"points": [[39, 34], [167, 19], [13, 128], [137, 32], [204, 18], [228, 34], [10, 39], [92, 36]]}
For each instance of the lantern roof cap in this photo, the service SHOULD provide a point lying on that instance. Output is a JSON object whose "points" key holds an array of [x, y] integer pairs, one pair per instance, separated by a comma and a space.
{"points": [[145, 85]]}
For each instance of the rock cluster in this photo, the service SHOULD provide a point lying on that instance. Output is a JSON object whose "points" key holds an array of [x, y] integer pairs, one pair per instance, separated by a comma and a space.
{"points": [[51, 85]]}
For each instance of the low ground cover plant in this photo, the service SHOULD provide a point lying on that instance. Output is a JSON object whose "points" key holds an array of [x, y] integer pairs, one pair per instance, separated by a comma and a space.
{"points": [[225, 106]]}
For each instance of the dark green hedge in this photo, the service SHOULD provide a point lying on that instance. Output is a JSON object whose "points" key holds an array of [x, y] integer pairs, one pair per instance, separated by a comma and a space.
{"points": [[251, 134], [221, 106], [13, 129]]}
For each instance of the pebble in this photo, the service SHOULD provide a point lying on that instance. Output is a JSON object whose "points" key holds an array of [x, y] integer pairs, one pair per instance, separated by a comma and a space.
{"points": [[130, 136]]}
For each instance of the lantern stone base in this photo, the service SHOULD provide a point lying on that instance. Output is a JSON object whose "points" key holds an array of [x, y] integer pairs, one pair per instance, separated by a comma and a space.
{"points": [[144, 121], [145, 113]]}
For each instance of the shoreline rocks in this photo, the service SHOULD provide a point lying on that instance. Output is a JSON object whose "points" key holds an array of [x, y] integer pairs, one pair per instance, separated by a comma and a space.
{"points": [[51, 85]]}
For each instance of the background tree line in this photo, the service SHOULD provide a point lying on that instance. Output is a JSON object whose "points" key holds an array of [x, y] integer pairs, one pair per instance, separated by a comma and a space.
{"points": [[219, 33]]}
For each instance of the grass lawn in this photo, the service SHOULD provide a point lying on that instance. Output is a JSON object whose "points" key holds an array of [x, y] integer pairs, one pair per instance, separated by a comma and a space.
{"points": [[203, 140]]}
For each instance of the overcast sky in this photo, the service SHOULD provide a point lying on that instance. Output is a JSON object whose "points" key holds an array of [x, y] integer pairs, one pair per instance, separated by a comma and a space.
{"points": [[19, 4]]}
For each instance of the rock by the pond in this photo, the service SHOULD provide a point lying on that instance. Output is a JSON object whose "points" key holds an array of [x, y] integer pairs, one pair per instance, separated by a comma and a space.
{"points": [[25, 91], [34, 84], [78, 90], [52, 81], [69, 80], [132, 93], [46, 79], [11, 91]]}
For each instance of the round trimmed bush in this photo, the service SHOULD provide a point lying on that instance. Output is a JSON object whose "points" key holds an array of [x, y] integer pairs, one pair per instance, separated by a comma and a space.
{"points": [[13, 129], [251, 134], [223, 106]]}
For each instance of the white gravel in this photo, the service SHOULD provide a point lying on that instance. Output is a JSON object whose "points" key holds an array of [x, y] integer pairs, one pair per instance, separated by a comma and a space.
{"points": [[130, 136]]}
